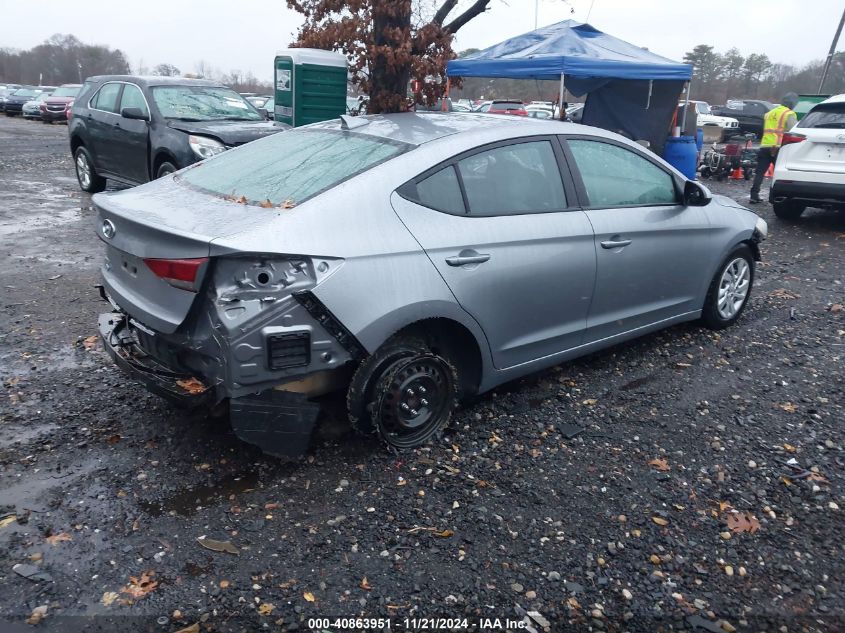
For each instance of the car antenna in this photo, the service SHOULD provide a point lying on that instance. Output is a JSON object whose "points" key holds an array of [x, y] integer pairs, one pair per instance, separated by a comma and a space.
{"points": [[351, 122]]}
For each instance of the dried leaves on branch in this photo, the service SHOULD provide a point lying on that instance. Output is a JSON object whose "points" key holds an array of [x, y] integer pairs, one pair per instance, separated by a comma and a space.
{"points": [[389, 43]]}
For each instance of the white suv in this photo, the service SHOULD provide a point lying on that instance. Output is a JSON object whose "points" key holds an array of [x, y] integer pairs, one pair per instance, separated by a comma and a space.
{"points": [[729, 125], [810, 167]]}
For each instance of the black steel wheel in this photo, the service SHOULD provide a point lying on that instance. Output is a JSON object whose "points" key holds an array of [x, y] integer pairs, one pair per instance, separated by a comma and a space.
{"points": [[413, 399]]}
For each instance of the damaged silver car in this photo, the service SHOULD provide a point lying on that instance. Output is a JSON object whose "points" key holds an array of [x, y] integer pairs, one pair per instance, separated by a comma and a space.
{"points": [[410, 259]]}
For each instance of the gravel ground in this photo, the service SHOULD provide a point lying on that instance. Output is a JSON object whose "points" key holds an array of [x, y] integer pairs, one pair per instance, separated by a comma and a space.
{"points": [[673, 508]]}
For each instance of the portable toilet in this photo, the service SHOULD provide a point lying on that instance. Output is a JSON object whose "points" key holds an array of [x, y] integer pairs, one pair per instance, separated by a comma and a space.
{"points": [[310, 86]]}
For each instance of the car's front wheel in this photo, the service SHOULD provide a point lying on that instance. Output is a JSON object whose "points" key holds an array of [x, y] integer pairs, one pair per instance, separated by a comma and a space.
{"points": [[165, 169], [730, 289], [788, 210], [406, 392], [86, 175]]}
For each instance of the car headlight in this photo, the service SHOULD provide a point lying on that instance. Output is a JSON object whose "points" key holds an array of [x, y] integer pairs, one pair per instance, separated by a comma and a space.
{"points": [[205, 147], [761, 229]]}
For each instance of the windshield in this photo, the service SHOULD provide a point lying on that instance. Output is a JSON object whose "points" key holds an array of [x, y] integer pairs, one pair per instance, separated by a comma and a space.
{"points": [[26, 92], [203, 103], [66, 91], [829, 115], [702, 108], [289, 167]]}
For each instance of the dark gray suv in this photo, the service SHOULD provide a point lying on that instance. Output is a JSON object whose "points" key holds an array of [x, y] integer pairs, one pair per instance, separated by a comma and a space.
{"points": [[135, 129]]}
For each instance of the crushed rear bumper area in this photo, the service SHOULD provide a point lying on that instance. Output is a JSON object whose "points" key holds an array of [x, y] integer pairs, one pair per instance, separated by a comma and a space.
{"points": [[279, 422], [811, 193]]}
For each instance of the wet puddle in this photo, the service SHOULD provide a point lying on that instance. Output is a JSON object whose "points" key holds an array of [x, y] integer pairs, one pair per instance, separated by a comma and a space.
{"points": [[27, 491], [187, 502]]}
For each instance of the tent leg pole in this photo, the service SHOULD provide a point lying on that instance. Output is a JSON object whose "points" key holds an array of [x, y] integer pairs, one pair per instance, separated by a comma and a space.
{"points": [[686, 108], [560, 98]]}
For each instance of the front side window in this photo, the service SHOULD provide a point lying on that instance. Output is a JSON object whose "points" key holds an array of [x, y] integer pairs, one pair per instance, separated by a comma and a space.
{"points": [[106, 98], [614, 176], [203, 103], [290, 167], [519, 178], [133, 98]]}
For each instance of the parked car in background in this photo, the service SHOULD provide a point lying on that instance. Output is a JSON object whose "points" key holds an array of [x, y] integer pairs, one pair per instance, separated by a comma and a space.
{"points": [[749, 113], [248, 278], [5, 91], [574, 112], [540, 110], [503, 106], [810, 167], [32, 109], [460, 107], [437, 106], [14, 102], [135, 129], [268, 109], [704, 116], [56, 106], [259, 101]]}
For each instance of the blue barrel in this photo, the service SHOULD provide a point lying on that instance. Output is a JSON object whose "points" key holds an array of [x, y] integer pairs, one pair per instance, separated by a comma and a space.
{"points": [[681, 153], [699, 138]]}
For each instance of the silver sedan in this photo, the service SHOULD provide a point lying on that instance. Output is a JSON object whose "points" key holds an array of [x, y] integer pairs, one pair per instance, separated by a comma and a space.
{"points": [[410, 260]]}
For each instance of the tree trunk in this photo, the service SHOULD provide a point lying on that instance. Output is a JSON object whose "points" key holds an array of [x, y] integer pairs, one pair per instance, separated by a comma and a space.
{"points": [[390, 70]]}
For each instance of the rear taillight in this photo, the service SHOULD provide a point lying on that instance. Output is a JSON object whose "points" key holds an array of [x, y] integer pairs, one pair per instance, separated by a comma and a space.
{"points": [[792, 137], [180, 273]]}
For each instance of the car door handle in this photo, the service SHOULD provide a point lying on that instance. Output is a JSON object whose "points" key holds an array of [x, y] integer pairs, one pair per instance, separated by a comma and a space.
{"points": [[615, 243], [464, 260]]}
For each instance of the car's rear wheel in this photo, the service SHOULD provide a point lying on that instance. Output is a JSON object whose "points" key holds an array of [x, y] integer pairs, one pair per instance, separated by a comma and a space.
{"points": [[406, 392], [165, 169], [730, 289], [788, 210], [86, 175]]}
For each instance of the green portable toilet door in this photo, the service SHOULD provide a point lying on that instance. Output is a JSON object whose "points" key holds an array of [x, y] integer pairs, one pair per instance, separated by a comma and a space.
{"points": [[284, 104]]}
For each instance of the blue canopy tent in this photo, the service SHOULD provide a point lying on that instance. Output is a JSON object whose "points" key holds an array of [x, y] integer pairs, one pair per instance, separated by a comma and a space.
{"points": [[630, 89]]}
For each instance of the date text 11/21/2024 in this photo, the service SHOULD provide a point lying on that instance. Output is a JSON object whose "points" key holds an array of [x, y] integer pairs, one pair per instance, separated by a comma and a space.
{"points": [[417, 624]]}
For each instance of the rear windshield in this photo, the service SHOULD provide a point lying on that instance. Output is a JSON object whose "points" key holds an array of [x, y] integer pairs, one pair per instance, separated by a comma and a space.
{"points": [[287, 168], [203, 103], [507, 105], [26, 92], [829, 115], [66, 91]]}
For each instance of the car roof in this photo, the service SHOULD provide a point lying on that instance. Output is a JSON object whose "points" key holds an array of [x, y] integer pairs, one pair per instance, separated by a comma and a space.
{"points": [[417, 128], [155, 80], [835, 99]]}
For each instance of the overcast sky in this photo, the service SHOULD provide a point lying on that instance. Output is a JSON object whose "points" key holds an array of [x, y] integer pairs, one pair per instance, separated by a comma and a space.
{"points": [[241, 35]]}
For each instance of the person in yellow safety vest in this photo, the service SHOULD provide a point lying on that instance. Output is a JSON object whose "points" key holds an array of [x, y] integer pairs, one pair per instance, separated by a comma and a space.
{"points": [[777, 121]]}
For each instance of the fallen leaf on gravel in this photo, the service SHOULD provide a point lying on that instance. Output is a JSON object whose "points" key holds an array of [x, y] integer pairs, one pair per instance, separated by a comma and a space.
{"points": [[217, 546], [55, 539], [817, 477], [788, 407], [836, 308], [90, 342], [660, 464], [38, 614], [8, 520], [113, 439], [309, 596], [223, 584], [660, 520], [191, 385], [786, 480], [742, 522], [141, 586], [589, 402], [783, 293], [271, 506], [194, 628], [265, 608], [365, 584], [444, 533], [655, 559], [724, 505], [789, 448]]}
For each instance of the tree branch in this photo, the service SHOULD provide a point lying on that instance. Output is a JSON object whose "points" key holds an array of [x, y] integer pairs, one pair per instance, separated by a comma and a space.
{"points": [[444, 11], [478, 7]]}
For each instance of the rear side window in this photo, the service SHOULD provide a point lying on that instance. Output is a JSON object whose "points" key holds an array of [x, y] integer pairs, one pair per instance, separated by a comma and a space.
{"points": [[106, 98], [290, 167], [512, 179], [614, 176], [442, 191], [827, 115]]}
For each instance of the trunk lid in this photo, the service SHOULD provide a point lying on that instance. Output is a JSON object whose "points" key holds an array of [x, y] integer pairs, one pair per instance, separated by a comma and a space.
{"points": [[822, 151], [162, 221]]}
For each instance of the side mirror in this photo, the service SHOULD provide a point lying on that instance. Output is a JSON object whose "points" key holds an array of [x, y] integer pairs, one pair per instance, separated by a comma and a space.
{"points": [[696, 194], [134, 113], [263, 112]]}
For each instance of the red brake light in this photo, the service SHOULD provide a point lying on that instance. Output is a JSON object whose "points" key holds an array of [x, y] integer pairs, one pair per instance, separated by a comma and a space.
{"points": [[792, 137], [180, 273]]}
